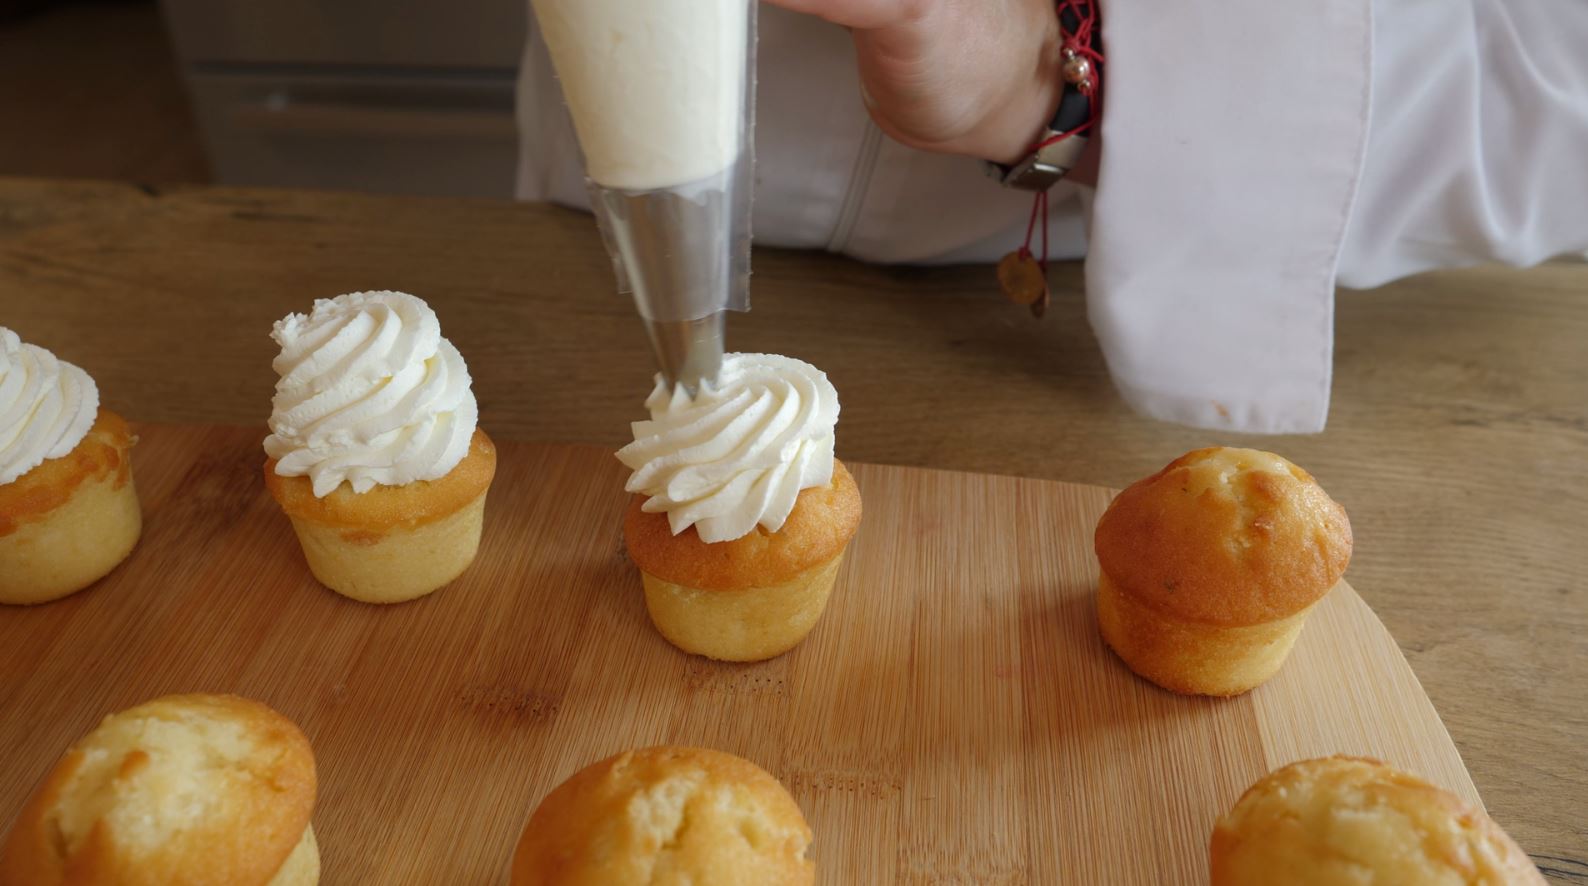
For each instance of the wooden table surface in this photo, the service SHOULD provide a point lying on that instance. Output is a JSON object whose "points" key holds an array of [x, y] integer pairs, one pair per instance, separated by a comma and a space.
{"points": [[1458, 438]]}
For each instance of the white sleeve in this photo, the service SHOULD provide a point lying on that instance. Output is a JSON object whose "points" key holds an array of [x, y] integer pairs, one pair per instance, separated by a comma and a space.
{"points": [[1251, 149], [1232, 142], [1479, 143]]}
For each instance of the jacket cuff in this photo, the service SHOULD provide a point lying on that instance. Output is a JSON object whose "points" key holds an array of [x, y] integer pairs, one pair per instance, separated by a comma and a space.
{"points": [[1232, 144]]}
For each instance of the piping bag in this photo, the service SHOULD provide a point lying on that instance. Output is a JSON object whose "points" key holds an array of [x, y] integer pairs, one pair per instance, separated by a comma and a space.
{"points": [[662, 95]]}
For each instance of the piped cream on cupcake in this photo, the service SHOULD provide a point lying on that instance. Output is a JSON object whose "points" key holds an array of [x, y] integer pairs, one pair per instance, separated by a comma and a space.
{"points": [[741, 514], [375, 453], [68, 509]]}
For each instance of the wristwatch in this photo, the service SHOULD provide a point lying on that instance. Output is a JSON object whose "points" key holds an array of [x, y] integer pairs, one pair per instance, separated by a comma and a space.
{"points": [[1043, 168], [1057, 153]]}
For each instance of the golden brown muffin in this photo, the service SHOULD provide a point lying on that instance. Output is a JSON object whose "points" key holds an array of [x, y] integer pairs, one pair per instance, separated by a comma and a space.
{"points": [[754, 597], [68, 522], [392, 543], [1348, 821], [186, 789], [666, 816], [1210, 566]]}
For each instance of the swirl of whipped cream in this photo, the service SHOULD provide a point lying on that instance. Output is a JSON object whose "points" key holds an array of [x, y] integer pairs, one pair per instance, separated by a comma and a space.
{"points": [[370, 393], [740, 451], [46, 406]]}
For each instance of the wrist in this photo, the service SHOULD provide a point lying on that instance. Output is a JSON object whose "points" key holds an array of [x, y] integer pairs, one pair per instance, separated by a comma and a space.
{"points": [[995, 111], [1017, 121], [1068, 140]]}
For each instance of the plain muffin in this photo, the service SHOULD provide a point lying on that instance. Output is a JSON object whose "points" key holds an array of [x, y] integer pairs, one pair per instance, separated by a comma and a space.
{"points": [[666, 816], [186, 789], [1348, 821], [1210, 566]]}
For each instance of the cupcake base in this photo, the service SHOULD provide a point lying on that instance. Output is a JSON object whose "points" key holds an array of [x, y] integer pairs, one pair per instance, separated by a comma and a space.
{"points": [[392, 543], [302, 867], [756, 596], [68, 522], [752, 624], [396, 565], [1190, 657]]}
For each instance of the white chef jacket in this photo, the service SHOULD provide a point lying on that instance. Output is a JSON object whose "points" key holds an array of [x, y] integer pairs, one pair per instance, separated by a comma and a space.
{"points": [[1251, 152]]}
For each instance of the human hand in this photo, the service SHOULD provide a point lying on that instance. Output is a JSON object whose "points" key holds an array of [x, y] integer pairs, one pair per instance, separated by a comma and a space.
{"points": [[972, 77]]}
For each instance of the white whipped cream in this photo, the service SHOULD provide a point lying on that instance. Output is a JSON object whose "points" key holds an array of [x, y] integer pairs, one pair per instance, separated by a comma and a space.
{"points": [[370, 393], [46, 406], [739, 453], [655, 87]]}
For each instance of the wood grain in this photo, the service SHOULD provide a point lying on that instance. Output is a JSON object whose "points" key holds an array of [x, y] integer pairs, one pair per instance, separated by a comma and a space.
{"points": [[1457, 440], [954, 718]]}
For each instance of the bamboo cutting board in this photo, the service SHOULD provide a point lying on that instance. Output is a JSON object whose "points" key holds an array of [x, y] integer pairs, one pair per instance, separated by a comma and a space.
{"points": [[954, 718]]}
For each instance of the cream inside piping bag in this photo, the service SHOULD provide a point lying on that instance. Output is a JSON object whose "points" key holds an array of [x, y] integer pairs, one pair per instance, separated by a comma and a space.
{"points": [[662, 98]]}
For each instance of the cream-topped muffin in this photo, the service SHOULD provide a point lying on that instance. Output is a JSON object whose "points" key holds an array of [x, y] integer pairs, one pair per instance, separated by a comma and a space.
{"points": [[375, 453], [68, 509], [742, 514], [666, 815], [186, 789]]}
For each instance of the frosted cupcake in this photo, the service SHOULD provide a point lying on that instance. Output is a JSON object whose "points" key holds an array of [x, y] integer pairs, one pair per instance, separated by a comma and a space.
{"points": [[374, 450], [741, 514], [68, 510]]}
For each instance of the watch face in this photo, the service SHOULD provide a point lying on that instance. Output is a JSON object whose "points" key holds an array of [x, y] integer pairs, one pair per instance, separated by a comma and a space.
{"points": [[1064, 153], [1032, 174]]}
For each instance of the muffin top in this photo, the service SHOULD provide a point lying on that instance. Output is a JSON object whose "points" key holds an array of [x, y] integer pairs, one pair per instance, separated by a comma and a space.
{"points": [[102, 453], [182, 789], [821, 523], [1347, 820], [666, 816], [1225, 536], [384, 508]]}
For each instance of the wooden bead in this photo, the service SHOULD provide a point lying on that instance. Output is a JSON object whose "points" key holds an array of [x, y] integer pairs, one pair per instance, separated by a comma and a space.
{"points": [[1022, 279]]}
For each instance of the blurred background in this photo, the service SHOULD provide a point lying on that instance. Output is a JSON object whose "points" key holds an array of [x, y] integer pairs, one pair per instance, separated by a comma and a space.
{"points": [[392, 96]]}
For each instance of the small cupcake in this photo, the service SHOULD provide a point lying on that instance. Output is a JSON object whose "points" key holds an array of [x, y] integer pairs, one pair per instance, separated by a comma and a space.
{"points": [[374, 450], [1345, 821], [68, 510], [186, 789], [742, 513], [666, 815], [1210, 566]]}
